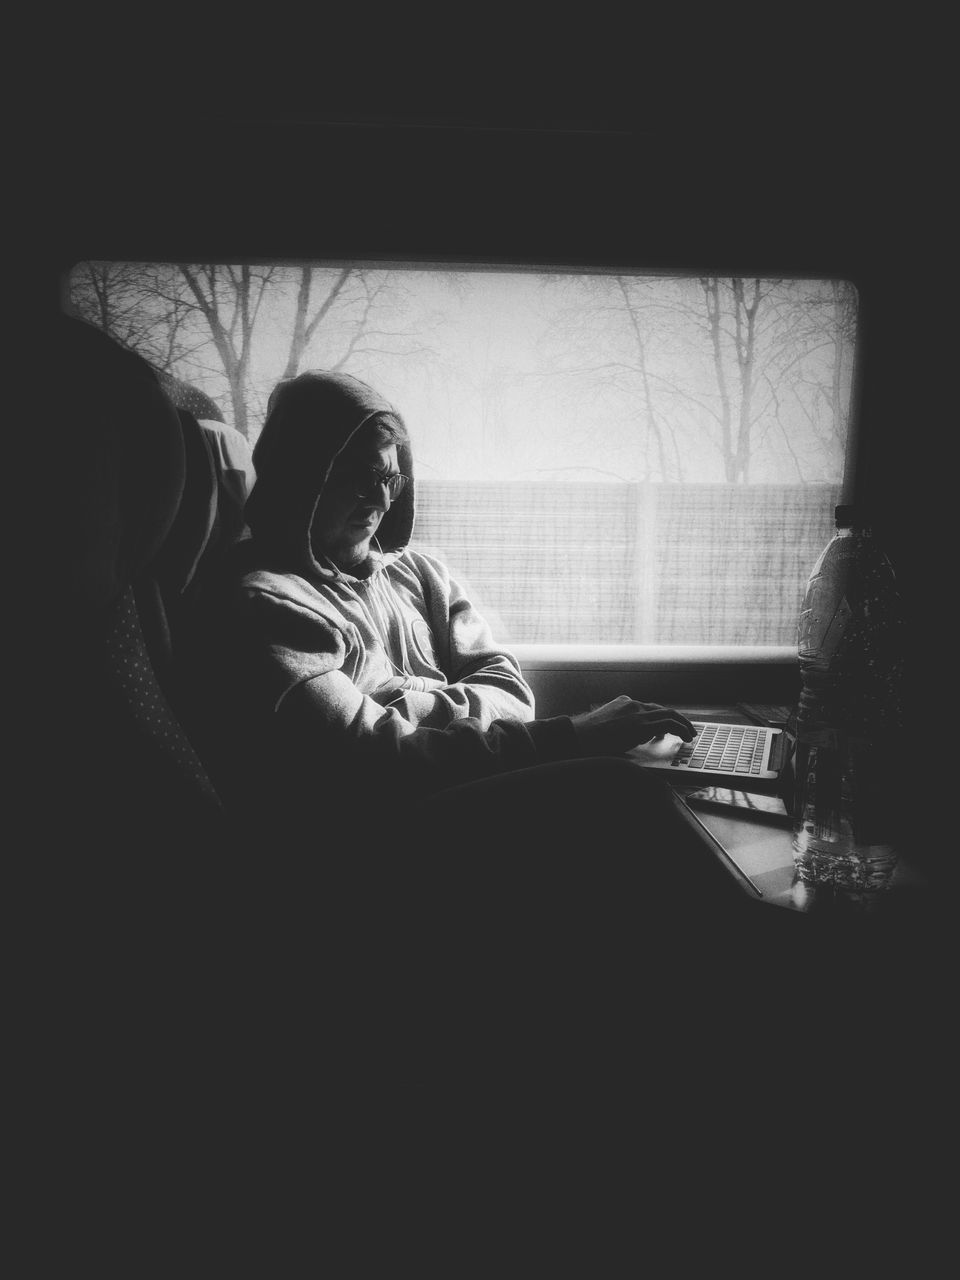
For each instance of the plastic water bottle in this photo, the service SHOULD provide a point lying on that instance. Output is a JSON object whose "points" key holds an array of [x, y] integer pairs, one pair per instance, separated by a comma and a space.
{"points": [[849, 719]]}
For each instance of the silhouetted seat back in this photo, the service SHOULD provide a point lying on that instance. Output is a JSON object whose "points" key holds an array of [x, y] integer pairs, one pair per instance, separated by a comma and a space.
{"points": [[127, 775]]}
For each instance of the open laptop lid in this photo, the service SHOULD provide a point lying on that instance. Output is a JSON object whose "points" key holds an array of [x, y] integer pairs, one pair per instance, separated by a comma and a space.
{"points": [[732, 755]]}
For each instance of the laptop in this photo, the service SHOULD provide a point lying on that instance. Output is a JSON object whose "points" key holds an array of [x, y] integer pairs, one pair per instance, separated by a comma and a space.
{"points": [[742, 771], [727, 755]]}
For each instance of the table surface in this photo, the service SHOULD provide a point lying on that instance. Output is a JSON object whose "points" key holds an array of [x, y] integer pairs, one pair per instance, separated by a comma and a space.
{"points": [[758, 850]]}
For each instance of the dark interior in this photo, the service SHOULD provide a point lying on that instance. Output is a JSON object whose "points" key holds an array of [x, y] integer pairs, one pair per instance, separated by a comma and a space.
{"points": [[847, 181]]}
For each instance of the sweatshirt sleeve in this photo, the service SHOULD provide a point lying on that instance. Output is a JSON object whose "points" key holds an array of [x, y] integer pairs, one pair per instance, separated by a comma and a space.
{"points": [[292, 667], [382, 743], [484, 680]]}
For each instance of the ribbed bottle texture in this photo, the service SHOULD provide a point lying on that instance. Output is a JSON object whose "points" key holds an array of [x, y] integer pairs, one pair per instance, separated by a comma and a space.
{"points": [[849, 719]]}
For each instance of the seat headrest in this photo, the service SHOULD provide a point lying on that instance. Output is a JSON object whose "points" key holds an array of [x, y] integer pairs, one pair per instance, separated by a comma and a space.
{"points": [[182, 395], [233, 462], [189, 536], [118, 464]]}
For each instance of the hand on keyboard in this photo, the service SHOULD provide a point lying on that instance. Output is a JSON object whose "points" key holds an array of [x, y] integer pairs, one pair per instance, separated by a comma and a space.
{"points": [[621, 724], [664, 748]]}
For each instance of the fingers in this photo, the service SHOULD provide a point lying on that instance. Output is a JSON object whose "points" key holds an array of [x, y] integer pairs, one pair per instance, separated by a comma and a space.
{"points": [[663, 748], [624, 705], [678, 715], [656, 722], [662, 719], [624, 723]]}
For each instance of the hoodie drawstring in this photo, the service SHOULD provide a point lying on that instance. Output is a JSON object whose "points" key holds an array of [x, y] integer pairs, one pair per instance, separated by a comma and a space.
{"points": [[372, 601]]}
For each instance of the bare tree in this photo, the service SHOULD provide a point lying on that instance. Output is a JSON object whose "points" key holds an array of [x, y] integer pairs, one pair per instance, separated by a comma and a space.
{"points": [[800, 386], [735, 409], [745, 365], [658, 426], [173, 314], [365, 313], [137, 304], [200, 321], [781, 353], [229, 299], [844, 297], [611, 337], [303, 330]]}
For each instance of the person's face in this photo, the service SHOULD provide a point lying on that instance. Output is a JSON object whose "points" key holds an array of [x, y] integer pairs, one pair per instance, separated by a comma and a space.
{"points": [[344, 522]]}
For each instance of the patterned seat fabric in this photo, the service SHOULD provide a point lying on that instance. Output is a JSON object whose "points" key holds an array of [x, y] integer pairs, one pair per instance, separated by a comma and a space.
{"points": [[130, 778]]}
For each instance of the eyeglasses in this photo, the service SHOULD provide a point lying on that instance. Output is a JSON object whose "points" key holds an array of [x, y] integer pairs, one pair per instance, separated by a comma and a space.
{"points": [[366, 481]]}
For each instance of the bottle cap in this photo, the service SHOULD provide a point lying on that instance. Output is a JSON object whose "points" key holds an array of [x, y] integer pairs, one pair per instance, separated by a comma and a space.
{"points": [[845, 516]]}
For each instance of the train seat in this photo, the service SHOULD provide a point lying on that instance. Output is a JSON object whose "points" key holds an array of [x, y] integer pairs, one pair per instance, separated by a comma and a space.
{"points": [[136, 493]]}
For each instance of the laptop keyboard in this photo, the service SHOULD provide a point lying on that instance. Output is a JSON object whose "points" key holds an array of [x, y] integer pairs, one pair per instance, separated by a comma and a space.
{"points": [[723, 748]]}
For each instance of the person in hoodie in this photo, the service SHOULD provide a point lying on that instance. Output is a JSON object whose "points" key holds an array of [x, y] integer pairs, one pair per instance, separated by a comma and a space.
{"points": [[405, 808], [361, 667]]}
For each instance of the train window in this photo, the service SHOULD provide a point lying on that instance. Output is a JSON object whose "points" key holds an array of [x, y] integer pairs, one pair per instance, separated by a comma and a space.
{"points": [[604, 457]]}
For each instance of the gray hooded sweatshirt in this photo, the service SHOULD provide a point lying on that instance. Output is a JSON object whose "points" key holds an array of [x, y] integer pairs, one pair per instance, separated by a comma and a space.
{"points": [[389, 674]]}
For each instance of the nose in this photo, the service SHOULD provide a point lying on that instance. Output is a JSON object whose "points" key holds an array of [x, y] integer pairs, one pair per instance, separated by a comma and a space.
{"points": [[379, 496], [375, 499]]}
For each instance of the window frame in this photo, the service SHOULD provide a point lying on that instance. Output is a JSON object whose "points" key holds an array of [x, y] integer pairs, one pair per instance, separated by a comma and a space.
{"points": [[765, 671]]}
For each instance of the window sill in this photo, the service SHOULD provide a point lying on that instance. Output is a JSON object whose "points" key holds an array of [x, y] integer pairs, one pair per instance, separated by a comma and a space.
{"points": [[648, 657], [566, 678]]}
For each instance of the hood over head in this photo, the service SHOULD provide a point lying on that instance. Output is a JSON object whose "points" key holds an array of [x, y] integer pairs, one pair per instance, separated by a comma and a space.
{"points": [[310, 420]]}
